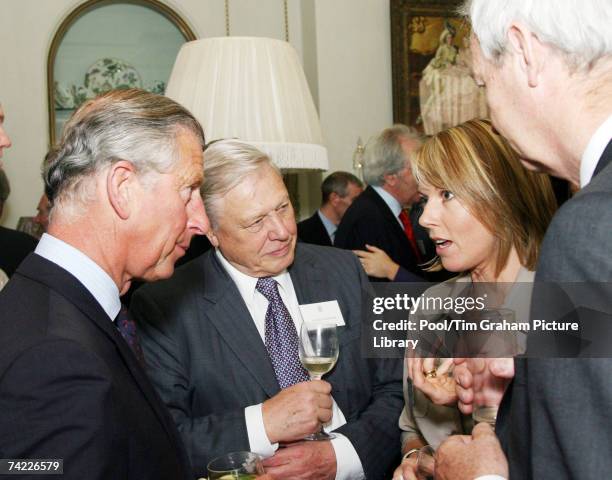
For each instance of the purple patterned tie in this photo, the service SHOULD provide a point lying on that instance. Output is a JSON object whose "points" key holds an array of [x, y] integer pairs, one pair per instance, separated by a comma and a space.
{"points": [[127, 328], [281, 338]]}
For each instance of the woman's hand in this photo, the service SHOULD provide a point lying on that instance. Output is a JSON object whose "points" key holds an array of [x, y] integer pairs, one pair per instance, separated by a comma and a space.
{"points": [[439, 386], [377, 263]]}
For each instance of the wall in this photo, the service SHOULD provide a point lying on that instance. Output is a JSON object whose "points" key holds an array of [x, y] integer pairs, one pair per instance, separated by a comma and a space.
{"points": [[353, 77], [344, 45]]}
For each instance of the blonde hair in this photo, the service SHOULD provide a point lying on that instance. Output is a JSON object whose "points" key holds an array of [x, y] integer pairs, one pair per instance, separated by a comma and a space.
{"points": [[480, 168]]}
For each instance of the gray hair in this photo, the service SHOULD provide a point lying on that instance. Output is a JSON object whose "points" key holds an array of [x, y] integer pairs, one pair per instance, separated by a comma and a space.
{"points": [[579, 30], [338, 182], [226, 164], [132, 125], [384, 154]]}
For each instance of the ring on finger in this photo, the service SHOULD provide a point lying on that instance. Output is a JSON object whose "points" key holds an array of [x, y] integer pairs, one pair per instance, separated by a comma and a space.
{"points": [[430, 374]]}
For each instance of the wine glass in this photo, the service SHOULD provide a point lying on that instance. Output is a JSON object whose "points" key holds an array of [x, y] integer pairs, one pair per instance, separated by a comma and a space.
{"points": [[318, 354], [235, 466]]}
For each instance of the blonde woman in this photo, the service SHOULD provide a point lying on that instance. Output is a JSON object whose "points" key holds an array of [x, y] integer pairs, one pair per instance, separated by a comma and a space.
{"points": [[487, 216]]}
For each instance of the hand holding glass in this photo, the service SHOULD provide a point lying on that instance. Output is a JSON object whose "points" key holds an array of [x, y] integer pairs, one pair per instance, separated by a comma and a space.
{"points": [[318, 354], [235, 466], [489, 389]]}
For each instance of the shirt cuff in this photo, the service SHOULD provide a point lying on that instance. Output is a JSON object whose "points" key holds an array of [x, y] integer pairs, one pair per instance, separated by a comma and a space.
{"points": [[348, 464], [491, 477], [259, 442]]}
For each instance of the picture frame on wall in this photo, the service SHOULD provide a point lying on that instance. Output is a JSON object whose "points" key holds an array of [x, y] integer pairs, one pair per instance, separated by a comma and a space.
{"points": [[433, 87]]}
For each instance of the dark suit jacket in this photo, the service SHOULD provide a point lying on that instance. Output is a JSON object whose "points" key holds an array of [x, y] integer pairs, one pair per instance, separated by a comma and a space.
{"points": [[313, 231], [14, 247], [555, 419], [71, 388], [369, 220], [208, 361]]}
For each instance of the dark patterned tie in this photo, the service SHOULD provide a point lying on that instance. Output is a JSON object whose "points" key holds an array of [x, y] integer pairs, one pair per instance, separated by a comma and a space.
{"points": [[282, 341], [127, 328]]}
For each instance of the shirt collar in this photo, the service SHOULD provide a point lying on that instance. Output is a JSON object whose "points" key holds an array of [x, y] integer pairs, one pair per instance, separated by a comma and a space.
{"points": [[330, 227], [389, 199], [86, 271], [594, 150], [245, 283]]}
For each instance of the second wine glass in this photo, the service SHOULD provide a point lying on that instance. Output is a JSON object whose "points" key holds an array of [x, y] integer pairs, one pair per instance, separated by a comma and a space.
{"points": [[318, 353]]}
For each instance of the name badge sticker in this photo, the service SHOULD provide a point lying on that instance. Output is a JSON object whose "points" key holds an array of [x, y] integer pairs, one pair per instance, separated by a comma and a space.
{"points": [[322, 312]]}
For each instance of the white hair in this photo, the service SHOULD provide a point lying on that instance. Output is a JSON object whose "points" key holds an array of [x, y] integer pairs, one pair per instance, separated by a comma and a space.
{"points": [[226, 165], [579, 29]]}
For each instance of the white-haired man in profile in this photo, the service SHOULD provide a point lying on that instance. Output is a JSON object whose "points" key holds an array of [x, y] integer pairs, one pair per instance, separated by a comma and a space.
{"points": [[547, 69]]}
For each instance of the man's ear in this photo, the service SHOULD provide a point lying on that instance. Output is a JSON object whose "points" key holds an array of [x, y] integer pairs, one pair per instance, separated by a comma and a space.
{"points": [[120, 185], [390, 179], [212, 238], [334, 198], [528, 51]]}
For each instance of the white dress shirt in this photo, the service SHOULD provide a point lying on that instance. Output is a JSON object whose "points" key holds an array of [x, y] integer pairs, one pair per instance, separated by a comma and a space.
{"points": [[330, 227], [596, 146], [348, 464], [88, 272]]}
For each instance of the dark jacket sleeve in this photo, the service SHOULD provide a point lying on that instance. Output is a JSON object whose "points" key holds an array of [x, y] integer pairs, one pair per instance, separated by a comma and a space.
{"points": [[404, 275], [55, 400], [206, 436], [546, 438]]}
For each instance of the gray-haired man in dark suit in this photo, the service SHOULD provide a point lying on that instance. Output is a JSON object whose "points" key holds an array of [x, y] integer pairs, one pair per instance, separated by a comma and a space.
{"points": [[547, 68], [221, 337]]}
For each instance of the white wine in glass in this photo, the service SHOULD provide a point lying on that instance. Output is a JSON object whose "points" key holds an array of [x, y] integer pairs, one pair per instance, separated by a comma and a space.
{"points": [[318, 354], [318, 366]]}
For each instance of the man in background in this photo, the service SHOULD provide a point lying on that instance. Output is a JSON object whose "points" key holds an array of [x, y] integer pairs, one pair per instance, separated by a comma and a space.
{"points": [[72, 383], [379, 216], [547, 69], [14, 245], [338, 191], [42, 214], [221, 337]]}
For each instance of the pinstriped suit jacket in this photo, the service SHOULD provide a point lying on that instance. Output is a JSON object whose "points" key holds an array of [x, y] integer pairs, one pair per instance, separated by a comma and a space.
{"points": [[208, 362]]}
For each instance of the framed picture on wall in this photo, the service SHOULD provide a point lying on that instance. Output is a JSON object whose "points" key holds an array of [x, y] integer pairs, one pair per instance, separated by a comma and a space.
{"points": [[432, 84]]}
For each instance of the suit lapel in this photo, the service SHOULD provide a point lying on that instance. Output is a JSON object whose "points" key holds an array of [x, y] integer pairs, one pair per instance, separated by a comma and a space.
{"points": [[311, 286], [308, 282], [56, 278], [322, 231], [387, 213], [226, 310], [605, 159]]}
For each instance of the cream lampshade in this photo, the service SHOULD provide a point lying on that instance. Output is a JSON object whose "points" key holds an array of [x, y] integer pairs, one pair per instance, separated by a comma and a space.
{"points": [[253, 89]]}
